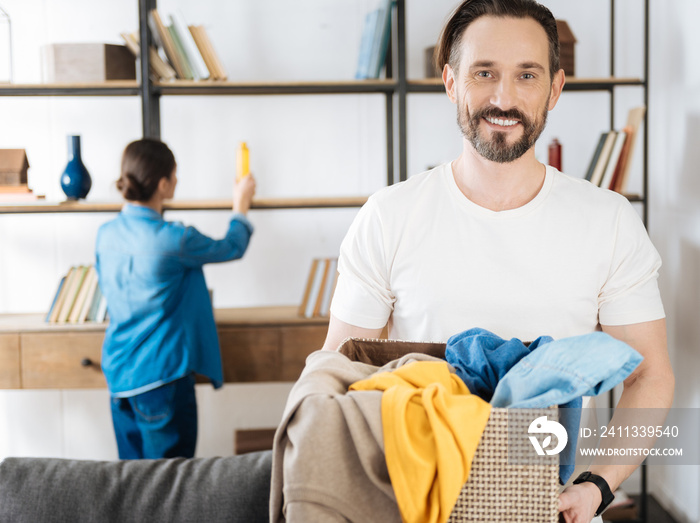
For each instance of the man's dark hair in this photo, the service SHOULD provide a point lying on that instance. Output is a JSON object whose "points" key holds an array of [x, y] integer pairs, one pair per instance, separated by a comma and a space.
{"points": [[448, 48]]}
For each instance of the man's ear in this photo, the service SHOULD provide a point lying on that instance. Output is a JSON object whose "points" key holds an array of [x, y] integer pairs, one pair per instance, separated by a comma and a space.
{"points": [[448, 78], [557, 85]]}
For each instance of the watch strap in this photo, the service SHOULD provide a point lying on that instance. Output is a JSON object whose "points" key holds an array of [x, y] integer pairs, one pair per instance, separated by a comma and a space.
{"points": [[598, 481]]}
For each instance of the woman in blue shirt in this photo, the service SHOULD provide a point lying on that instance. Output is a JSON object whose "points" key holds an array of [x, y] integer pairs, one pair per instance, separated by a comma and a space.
{"points": [[161, 323]]}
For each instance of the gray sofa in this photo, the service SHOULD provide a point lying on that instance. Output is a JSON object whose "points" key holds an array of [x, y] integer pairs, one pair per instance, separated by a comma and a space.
{"points": [[232, 489]]}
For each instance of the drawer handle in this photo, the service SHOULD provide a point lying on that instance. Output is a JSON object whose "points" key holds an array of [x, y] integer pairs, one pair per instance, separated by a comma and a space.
{"points": [[87, 362]]}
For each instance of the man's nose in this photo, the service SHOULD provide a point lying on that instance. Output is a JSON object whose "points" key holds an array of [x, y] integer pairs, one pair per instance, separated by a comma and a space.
{"points": [[504, 96]]}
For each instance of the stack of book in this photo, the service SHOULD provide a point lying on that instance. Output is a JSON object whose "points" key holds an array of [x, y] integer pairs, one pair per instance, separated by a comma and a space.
{"points": [[160, 69], [374, 41], [18, 194], [181, 51], [78, 298], [320, 286], [610, 166]]}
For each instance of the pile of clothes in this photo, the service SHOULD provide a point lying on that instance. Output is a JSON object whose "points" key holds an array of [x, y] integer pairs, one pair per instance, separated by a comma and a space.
{"points": [[363, 442]]}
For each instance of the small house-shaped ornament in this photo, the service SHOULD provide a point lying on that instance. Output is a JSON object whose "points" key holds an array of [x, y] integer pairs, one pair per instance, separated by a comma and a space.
{"points": [[566, 47], [13, 167]]}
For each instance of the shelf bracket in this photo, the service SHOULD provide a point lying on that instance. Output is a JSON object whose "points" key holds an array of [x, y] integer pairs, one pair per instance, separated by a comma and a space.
{"points": [[150, 99]]}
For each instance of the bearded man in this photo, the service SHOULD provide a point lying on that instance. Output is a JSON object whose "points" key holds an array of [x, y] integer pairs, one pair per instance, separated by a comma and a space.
{"points": [[497, 240]]}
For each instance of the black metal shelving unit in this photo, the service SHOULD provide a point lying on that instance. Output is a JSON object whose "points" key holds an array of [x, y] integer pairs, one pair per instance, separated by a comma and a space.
{"points": [[395, 88]]}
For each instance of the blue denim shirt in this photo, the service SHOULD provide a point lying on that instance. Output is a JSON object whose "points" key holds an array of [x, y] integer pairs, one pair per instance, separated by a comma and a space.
{"points": [[544, 373], [161, 322]]}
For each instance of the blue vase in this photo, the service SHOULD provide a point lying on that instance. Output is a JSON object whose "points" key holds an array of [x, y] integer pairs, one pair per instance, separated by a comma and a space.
{"points": [[75, 180]]}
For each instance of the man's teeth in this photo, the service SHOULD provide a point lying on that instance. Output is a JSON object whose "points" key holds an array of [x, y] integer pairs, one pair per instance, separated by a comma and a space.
{"points": [[499, 121]]}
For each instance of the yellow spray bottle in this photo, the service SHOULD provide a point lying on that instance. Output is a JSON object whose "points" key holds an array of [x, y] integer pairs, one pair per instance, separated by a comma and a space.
{"points": [[242, 161]]}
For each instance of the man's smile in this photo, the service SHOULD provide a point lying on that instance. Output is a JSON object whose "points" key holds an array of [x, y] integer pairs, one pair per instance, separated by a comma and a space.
{"points": [[501, 122]]}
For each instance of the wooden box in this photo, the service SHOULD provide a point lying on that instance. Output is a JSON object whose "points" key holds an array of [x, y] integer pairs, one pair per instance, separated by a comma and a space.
{"points": [[566, 48], [13, 167], [87, 63]]}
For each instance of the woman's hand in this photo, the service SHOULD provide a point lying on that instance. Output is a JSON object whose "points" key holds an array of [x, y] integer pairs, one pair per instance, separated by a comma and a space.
{"points": [[243, 192]]}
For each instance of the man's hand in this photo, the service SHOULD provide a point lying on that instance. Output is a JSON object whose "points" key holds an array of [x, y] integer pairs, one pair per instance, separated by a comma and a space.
{"points": [[578, 503], [243, 192]]}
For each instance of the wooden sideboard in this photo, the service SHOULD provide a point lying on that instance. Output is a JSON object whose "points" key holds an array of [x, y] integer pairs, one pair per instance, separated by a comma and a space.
{"points": [[257, 345]]}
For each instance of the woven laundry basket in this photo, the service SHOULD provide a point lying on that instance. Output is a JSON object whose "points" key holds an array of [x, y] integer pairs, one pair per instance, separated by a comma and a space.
{"points": [[500, 489]]}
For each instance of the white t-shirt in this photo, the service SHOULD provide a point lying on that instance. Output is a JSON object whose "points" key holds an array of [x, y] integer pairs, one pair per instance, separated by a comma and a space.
{"points": [[430, 262]]}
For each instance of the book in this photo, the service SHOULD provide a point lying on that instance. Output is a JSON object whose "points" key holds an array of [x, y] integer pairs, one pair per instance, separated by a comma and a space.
{"points": [[15, 189], [599, 170], [635, 117], [72, 294], [622, 159], [216, 59], [55, 299], [89, 297], [203, 51], [321, 288], [596, 156], [309, 286], [101, 314], [380, 42], [612, 161], [131, 43], [329, 289], [189, 47], [211, 59], [162, 35], [95, 304], [90, 276], [368, 30], [53, 316], [159, 68], [184, 62], [18, 197], [320, 285]]}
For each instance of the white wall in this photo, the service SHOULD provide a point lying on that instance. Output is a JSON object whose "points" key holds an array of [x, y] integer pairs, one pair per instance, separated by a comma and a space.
{"points": [[319, 145], [675, 216]]}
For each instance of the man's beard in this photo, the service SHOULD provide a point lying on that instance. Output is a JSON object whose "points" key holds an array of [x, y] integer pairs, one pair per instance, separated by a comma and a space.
{"points": [[497, 148]]}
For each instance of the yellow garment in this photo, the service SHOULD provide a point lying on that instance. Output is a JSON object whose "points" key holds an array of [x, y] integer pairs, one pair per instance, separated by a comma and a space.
{"points": [[432, 427]]}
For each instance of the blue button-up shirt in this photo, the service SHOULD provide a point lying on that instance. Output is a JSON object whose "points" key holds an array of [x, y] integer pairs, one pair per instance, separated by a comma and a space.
{"points": [[161, 319]]}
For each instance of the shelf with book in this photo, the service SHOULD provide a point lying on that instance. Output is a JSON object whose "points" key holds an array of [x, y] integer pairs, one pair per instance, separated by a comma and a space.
{"points": [[395, 88], [435, 85], [186, 205], [107, 88], [258, 344], [192, 87]]}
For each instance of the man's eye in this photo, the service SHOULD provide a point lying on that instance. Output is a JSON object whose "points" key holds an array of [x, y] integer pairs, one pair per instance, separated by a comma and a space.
{"points": [[528, 76], [483, 74]]}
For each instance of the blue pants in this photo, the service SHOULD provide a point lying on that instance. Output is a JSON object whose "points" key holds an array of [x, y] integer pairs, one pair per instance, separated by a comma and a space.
{"points": [[160, 423]]}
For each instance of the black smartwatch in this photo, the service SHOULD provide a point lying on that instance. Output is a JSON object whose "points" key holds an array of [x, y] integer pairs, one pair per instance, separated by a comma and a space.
{"points": [[599, 482]]}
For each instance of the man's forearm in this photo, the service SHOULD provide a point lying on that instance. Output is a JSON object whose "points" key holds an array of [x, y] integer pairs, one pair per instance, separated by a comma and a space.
{"points": [[652, 395]]}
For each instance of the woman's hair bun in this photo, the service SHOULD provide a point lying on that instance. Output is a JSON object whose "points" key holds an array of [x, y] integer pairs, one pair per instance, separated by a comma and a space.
{"points": [[144, 163]]}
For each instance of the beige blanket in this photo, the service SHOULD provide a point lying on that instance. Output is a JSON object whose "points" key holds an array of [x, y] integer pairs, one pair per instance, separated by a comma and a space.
{"points": [[328, 459]]}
